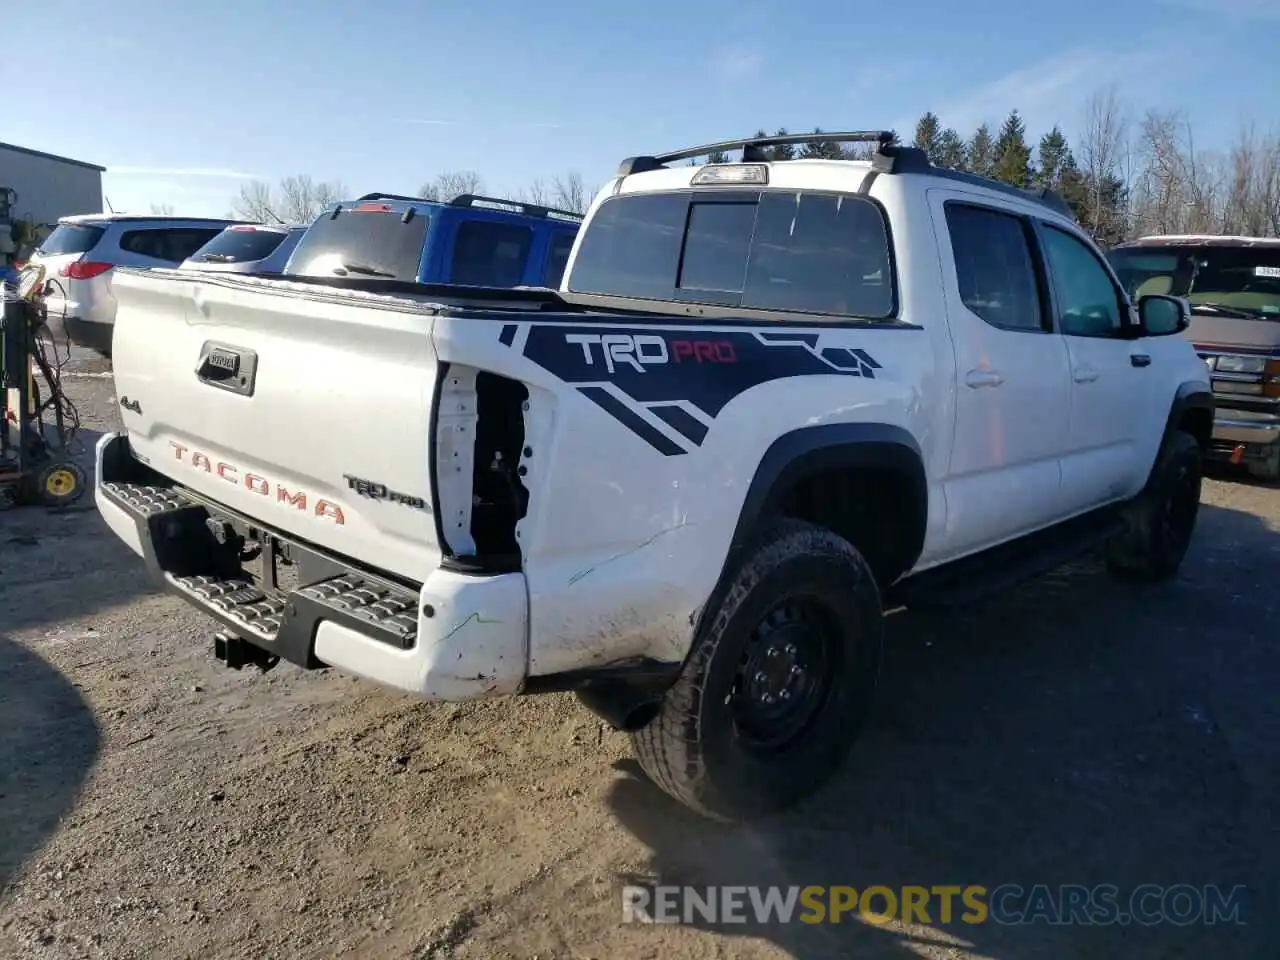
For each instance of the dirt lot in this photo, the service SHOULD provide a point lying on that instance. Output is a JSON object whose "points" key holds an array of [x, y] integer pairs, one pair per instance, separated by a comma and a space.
{"points": [[154, 804]]}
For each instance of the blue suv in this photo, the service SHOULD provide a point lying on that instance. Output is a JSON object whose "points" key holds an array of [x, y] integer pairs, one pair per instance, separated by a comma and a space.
{"points": [[471, 240]]}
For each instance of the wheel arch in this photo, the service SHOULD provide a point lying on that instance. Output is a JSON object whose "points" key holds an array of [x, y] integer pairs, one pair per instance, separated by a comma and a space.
{"points": [[1191, 410], [885, 451]]}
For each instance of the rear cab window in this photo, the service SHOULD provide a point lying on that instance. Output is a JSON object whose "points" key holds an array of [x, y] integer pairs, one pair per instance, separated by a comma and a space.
{"points": [[70, 238], [240, 244], [994, 266], [1243, 281], [364, 240], [774, 250]]}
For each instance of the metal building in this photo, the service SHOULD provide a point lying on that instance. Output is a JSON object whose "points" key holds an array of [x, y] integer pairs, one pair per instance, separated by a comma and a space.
{"points": [[41, 187]]}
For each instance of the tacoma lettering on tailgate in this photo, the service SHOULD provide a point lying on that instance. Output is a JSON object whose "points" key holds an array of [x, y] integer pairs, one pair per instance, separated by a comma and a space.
{"points": [[256, 483]]}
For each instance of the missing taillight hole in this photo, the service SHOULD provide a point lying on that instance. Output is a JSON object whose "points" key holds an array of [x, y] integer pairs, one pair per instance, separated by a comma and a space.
{"points": [[499, 498]]}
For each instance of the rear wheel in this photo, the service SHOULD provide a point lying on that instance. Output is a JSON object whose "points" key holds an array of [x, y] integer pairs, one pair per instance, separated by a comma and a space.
{"points": [[778, 684], [1163, 517]]}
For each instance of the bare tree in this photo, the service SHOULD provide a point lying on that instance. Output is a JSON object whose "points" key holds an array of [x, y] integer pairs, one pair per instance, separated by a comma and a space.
{"points": [[1102, 152], [454, 183], [254, 202], [297, 199], [536, 193], [302, 199], [570, 193], [1251, 201], [162, 209], [1179, 189]]}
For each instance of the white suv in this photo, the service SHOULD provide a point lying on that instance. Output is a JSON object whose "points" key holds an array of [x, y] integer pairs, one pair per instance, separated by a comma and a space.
{"points": [[82, 251]]}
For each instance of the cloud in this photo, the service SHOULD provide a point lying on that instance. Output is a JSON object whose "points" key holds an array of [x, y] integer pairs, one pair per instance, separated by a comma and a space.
{"points": [[1233, 9], [218, 173], [1049, 90], [738, 61]]}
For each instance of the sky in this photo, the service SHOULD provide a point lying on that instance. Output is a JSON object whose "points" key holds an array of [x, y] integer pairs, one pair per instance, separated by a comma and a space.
{"points": [[183, 101]]}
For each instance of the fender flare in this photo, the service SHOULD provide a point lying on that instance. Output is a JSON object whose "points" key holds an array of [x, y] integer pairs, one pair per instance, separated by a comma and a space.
{"points": [[808, 451], [1190, 395]]}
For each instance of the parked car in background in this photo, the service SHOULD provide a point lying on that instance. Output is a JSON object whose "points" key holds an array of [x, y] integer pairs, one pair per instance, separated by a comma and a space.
{"points": [[247, 248], [471, 240], [1233, 286], [81, 252]]}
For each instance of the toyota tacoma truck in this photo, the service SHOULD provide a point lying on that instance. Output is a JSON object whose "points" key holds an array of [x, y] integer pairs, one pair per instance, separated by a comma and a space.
{"points": [[769, 401], [1233, 287]]}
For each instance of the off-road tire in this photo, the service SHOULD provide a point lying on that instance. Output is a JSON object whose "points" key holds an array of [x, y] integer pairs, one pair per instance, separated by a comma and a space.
{"points": [[696, 750], [1152, 549]]}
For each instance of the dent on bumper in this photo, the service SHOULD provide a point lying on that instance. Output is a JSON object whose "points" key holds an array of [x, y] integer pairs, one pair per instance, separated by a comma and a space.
{"points": [[471, 641], [472, 631]]}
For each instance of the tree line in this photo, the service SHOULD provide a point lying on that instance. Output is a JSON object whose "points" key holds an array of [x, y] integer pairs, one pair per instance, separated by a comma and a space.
{"points": [[1127, 174], [299, 199]]}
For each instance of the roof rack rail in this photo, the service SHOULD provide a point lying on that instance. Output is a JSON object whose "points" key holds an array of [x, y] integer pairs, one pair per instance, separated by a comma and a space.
{"points": [[390, 196], [890, 157], [529, 209]]}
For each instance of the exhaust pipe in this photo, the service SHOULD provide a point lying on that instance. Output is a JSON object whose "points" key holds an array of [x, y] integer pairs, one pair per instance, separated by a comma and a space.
{"points": [[624, 706]]}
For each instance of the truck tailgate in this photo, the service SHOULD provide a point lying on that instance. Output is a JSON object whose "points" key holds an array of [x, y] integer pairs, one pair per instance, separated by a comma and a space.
{"points": [[306, 410]]}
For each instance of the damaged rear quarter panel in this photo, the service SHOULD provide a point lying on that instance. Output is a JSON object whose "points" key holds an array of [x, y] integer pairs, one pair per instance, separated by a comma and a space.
{"points": [[622, 541]]}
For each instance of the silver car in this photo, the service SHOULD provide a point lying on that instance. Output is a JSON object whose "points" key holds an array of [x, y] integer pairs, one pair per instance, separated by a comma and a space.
{"points": [[80, 254], [247, 248]]}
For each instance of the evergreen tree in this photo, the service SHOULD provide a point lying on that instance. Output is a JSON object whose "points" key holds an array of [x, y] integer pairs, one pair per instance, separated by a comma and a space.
{"points": [[951, 151], [784, 151], [813, 150], [717, 156], [1055, 159], [1012, 155], [929, 135], [981, 152]]}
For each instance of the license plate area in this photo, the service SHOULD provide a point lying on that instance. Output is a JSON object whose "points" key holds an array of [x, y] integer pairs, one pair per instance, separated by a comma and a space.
{"points": [[264, 558]]}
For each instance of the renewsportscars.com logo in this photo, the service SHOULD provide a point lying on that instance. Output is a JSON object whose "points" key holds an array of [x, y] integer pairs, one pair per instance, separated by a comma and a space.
{"points": [[1008, 904]]}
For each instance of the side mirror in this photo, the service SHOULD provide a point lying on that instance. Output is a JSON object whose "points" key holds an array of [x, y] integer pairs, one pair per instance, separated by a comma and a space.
{"points": [[1161, 315]]}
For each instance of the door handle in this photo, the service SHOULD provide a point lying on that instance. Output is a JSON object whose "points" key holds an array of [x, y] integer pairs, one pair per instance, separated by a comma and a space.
{"points": [[1084, 374], [983, 378], [1140, 359]]}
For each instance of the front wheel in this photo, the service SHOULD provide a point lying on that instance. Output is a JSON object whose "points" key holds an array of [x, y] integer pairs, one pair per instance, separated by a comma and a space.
{"points": [[1162, 518], [778, 684]]}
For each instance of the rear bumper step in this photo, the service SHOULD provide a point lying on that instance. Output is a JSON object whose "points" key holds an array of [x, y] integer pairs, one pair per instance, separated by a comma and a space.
{"points": [[187, 560]]}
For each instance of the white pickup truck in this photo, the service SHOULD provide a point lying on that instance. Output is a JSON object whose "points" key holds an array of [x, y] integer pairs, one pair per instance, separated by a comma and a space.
{"points": [[770, 400]]}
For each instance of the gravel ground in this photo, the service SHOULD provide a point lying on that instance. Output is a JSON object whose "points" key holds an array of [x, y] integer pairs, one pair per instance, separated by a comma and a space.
{"points": [[154, 804]]}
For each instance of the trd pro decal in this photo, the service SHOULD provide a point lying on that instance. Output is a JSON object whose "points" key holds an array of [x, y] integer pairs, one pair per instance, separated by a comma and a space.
{"points": [[684, 378]]}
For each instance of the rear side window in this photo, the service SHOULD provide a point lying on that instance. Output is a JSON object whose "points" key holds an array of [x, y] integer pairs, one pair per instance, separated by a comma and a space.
{"points": [[793, 252], [362, 243], [558, 256], [239, 245], [68, 238], [489, 254], [996, 274], [173, 244]]}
